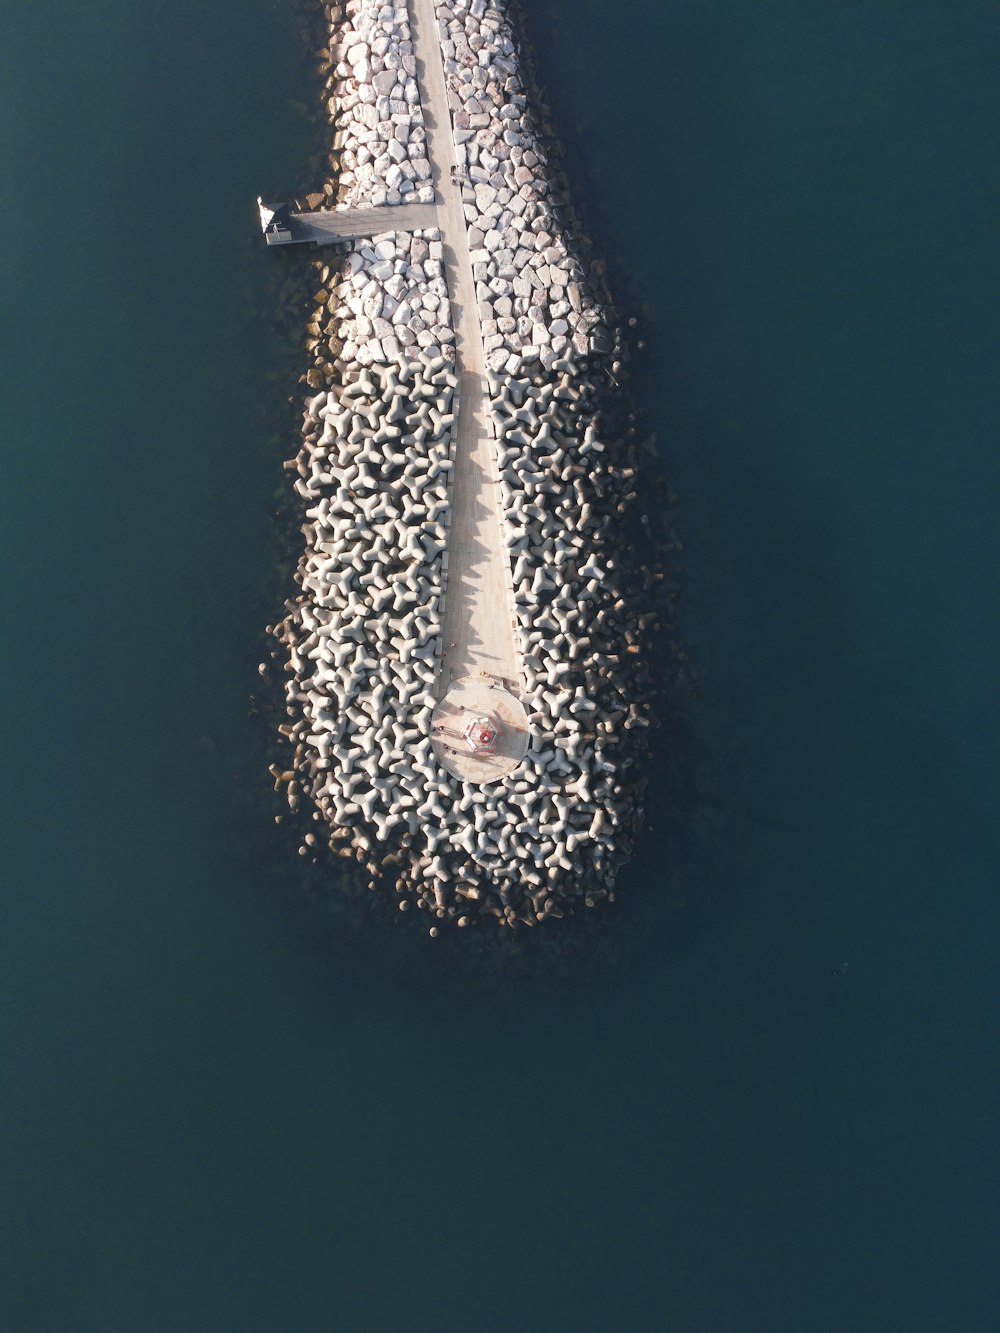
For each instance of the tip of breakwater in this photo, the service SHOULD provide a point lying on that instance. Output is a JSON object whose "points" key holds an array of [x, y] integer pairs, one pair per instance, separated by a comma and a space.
{"points": [[436, 524]]}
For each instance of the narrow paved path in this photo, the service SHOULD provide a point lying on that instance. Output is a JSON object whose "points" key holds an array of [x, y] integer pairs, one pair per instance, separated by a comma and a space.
{"points": [[478, 623]]}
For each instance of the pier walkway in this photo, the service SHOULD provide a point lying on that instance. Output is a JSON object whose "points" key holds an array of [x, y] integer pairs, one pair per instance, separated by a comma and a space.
{"points": [[330, 225], [478, 623]]}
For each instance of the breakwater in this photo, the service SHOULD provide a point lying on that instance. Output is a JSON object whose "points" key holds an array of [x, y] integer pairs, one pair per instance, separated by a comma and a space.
{"points": [[467, 661]]}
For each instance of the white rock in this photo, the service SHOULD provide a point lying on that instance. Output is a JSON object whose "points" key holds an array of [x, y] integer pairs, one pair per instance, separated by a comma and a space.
{"points": [[384, 82]]}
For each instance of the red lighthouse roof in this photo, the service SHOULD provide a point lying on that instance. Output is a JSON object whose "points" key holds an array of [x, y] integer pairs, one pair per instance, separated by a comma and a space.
{"points": [[482, 733]]}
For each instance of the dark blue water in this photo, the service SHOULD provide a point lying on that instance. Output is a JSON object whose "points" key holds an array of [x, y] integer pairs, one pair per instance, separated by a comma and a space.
{"points": [[770, 1104]]}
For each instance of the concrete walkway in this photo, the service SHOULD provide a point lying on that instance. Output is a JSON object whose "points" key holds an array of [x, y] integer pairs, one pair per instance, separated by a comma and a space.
{"points": [[478, 622], [327, 226]]}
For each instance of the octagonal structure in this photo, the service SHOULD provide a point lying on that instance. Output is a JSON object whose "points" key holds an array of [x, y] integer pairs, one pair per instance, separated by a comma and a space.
{"points": [[479, 730], [482, 733]]}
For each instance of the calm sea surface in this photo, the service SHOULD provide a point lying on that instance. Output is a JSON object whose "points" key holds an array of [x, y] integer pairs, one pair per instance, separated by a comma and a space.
{"points": [[766, 1098]]}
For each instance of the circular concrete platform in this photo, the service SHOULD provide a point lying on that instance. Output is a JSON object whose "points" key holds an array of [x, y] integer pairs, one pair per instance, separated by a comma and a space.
{"points": [[469, 699]]}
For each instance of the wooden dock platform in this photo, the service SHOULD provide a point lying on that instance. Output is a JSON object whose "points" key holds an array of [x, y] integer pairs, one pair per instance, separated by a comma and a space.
{"points": [[328, 226]]}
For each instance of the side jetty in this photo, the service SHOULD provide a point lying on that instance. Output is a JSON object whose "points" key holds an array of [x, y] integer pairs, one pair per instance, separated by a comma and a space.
{"points": [[467, 660]]}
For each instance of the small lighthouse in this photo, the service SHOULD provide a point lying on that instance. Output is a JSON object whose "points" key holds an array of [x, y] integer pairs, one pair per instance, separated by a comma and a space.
{"points": [[482, 733]]}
